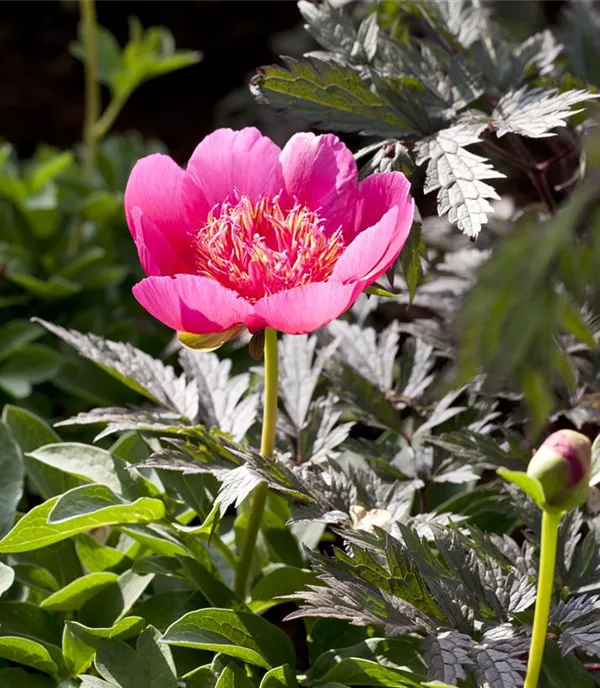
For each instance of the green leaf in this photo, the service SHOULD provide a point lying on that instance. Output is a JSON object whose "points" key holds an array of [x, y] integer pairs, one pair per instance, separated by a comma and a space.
{"points": [[103, 507], [157, 539], [202, 677], [215, 591], [530, 486], [47, 170], [148, 54], [157, 661], [238, 634], [233, 676], [83, 461], [31, 365], [15, 335], [29, 430], [126, 628], [95, 556], [280, 677], [413, 253], [328, 94], [279, 580], [36, 578], [399, 660], [73, 596], [108, 55], [77, 511], [32, 432], [150, 665], [560, 671], [129, 627], [19, 678], [114, 603], [28, 620], [28, 652], [54, 288], [78, 655], [355, 671], [11, 478]]}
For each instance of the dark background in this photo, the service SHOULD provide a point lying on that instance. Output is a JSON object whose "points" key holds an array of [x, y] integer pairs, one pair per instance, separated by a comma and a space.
{"points": [[41, 95]]}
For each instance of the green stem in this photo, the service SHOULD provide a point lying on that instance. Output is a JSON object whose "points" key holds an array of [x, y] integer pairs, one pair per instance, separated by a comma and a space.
{"points": [[92, 86], [103, 125], [267, 446], [550, 523]]}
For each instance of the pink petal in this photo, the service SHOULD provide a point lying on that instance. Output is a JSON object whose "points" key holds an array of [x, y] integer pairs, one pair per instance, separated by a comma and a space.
{"points": [[155, 186], [157, 255], [302, 309], [320, 172], [189, 303], [367, 249], [244, 161], [377, 194]]}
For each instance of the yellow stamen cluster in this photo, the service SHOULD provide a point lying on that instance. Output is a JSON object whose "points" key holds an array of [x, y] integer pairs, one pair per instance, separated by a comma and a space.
{"points": [[259, 249]]}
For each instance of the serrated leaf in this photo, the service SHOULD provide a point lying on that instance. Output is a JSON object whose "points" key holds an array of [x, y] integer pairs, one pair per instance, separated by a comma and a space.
{"points": [[223, 403], [498, 658], [371, 355], [120, 419], [582, 635], [134, 368], [333, 29], [536, 112], [448, 656], [299, 373], [457, 175], [328, 94], [237, 634]]}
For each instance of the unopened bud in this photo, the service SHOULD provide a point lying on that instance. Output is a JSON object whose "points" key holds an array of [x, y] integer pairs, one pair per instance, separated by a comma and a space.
{"points": [[562, 465]]}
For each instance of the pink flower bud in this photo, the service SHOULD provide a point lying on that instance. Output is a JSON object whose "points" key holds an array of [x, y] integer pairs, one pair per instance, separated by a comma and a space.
{"points": [[562, 466]]}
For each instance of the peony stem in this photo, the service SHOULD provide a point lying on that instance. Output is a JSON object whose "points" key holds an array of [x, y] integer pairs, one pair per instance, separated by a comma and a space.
{"points": [[92, 87], [550, 523], [267, 446]]}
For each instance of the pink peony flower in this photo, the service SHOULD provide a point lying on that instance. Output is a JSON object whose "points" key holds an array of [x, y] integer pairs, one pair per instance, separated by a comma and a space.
{"points": [[254, 236]]}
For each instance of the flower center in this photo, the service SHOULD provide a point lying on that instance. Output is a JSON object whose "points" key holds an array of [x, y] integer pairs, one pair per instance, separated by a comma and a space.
{"points": [[259, 249]]}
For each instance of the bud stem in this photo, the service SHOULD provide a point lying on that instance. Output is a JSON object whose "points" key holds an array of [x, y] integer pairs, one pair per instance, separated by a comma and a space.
{"points": [[550, 523]]}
